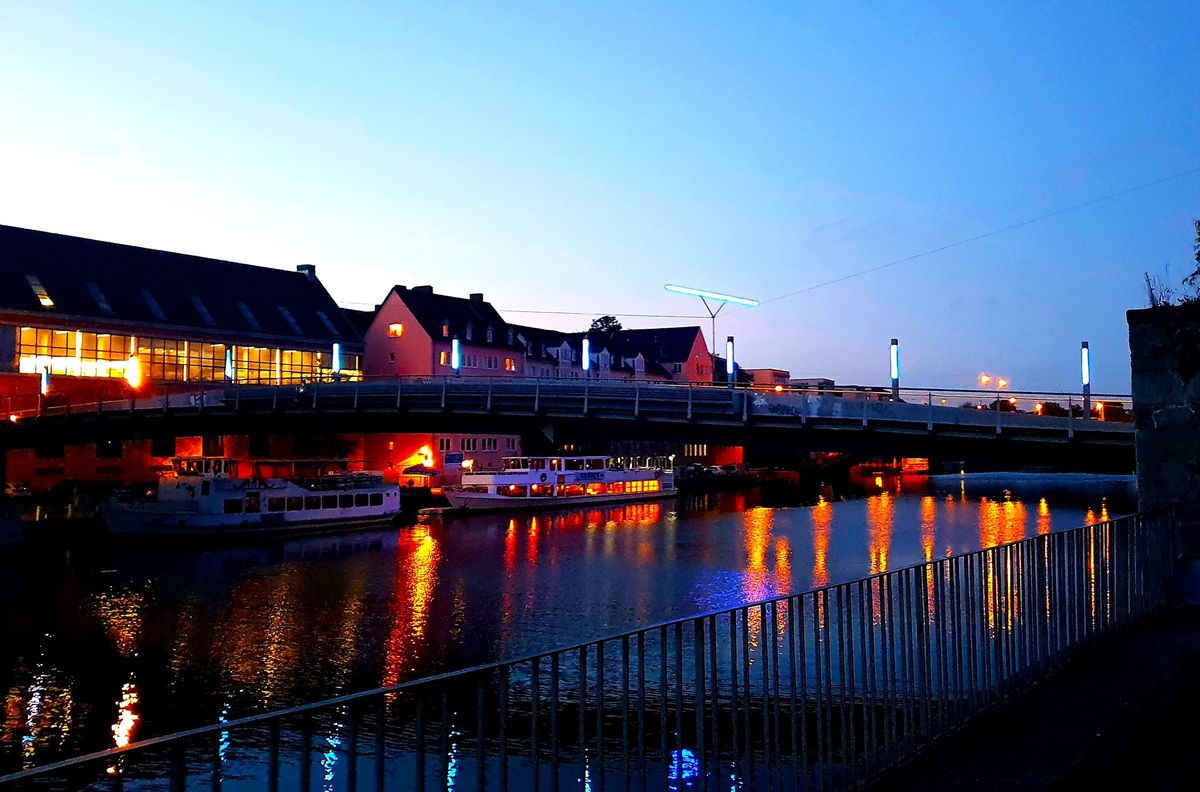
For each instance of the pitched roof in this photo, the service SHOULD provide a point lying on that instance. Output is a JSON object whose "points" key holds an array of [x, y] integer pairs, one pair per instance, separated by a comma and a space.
{"points": [[431, 310], [661, 344], [360, 320], [57, 278]]}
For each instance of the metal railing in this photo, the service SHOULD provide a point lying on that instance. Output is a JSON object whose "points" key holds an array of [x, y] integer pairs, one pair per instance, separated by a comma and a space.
{"points": [[823, 689]]}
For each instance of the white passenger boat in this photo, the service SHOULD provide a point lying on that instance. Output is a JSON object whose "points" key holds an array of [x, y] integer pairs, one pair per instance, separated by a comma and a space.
{"points": [[205, 496], [536, 482]]}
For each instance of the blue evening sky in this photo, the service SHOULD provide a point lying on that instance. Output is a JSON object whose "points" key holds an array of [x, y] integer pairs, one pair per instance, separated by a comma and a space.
{"points": [[563, 156]]}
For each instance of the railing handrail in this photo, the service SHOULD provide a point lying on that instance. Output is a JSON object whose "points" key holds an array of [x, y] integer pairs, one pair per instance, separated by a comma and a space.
{"points": [[484, 668]]}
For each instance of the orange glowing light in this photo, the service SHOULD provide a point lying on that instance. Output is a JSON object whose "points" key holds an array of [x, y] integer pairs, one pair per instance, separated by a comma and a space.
{"points": [[1012, 400], [1001, 383], [133, 372], [779, 389], [395, 330], [984, 379], [13, 418], [1037, 408], [512, 487], [426, 454], [467, 464]]}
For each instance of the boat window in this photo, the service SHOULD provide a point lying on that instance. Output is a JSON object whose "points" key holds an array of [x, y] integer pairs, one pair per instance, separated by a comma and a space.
{"points": [[570, 490], [595, 488], [233, 506], [345, 501], [329, 501], [361, 499], [376, 498], [205, 487], [595, 464], [616, 488], [541, 491], [521, 464], [253, 502], [312, 502], [295, 504], [512, 490], [573, 464], [275, 504], [556, 464]]}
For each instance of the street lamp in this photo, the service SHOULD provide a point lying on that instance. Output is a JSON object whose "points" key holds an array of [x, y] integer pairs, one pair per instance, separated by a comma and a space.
{"points": [[455, 357], [895, 365], [1085, 374], [716, 297], [729, 365], [1001, 383], [587, 347]]}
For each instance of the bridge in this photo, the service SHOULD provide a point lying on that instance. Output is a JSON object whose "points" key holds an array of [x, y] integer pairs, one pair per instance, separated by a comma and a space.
{"points": [[922, 423]]}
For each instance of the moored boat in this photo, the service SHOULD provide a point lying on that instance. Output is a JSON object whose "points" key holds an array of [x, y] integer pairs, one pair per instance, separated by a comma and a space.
{"points": [[203, 496], [537, 482]]}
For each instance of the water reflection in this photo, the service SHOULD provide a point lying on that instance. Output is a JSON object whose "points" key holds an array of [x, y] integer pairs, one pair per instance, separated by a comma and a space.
{"points": [[186, 639]]}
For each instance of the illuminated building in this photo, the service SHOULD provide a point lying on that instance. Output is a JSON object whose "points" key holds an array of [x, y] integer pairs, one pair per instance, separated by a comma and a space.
{"points": [[82, 310]]}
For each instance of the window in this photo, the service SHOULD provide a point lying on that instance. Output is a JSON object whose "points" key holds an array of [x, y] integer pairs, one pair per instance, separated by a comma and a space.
{"points": [[467, 444], [155, 309], [361, 499], [329, 501], [202, 309], [489, 334], [295, 504], [443, 356], [510, 364], [233, 506], [99, 298], [512, 490], [249, 317], [40, 291], [376, 498], [345, 501], [443, 444], [511, 443], [312, 502], [445, 328], [470, 331], [510, 336], [253, 502], [328, 324], [291, 320], [396, 330], [490, 444], [275, 504], [109, 449]]}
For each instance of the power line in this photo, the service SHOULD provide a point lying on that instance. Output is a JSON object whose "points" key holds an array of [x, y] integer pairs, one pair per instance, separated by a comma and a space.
{"points": [[985, 235], [603, 313]]}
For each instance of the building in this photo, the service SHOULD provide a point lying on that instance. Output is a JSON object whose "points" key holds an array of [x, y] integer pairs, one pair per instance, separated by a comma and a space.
{"points": [[768, 377], [81, 311], [663, 354], [82, 320], [413, 333]]}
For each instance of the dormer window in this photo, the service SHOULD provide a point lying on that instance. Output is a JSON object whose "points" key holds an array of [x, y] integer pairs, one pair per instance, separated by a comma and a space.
{"points": [[40, 291], [489, 334], [445, 328], [510, 336], [470, 331]]}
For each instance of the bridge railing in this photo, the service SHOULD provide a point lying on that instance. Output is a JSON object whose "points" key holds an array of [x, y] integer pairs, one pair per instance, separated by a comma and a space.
{"points": [[824, 689], [1100, 407]]}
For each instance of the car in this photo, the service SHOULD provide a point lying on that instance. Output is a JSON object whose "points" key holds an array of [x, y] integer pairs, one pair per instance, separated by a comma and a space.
{"points": [[715, 470]]}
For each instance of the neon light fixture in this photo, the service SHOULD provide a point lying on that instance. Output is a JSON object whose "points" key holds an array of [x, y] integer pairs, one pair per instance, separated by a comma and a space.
{"points": [[715, 296], [454, 353], [1085, 364], [587, 347], [895, 359], [729, 357]]}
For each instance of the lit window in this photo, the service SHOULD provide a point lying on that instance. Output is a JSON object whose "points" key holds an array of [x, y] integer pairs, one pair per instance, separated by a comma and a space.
{"points": [[396, 330], [510, 364], [98, 296], [442, 357], [489, 334], [445, 328], [40, 291], [155, 309]]}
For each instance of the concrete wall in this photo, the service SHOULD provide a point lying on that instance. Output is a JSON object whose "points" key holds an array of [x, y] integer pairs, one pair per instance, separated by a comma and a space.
{"points": [[1164, 351]]}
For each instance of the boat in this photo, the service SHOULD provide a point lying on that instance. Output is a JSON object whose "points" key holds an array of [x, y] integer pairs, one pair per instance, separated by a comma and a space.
{"points": [[205, 496], [539, 482]]}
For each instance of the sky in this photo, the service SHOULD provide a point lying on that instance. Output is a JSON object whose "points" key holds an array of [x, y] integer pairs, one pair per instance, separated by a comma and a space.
{"points": [[577, 157]]}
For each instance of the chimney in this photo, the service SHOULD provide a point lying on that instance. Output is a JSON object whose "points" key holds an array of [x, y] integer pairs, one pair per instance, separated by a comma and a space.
{"points": [[477, 297], [310, 270], [423, 289]]}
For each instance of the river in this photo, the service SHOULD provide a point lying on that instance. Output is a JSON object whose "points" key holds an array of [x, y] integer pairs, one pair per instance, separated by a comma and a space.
{"points": [[105, 643]]}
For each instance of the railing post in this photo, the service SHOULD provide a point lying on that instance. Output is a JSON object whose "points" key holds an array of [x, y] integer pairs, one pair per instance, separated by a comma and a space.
{"points": [[637, 394], [237, 398], [1070, 418], [443, 393], [745, 406], [537, 397], [929, 404], [586, 387], [356, 396], [399, 385], [689, 407], [864, 417], [489, 398]]}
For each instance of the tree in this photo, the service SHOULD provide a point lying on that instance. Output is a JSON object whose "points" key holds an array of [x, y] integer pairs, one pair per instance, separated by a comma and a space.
{"points": [[605, 324], [1159, 293]]}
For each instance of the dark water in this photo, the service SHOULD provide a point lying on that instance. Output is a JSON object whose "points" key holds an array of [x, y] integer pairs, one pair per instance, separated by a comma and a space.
{"points": [[101, 644]]}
